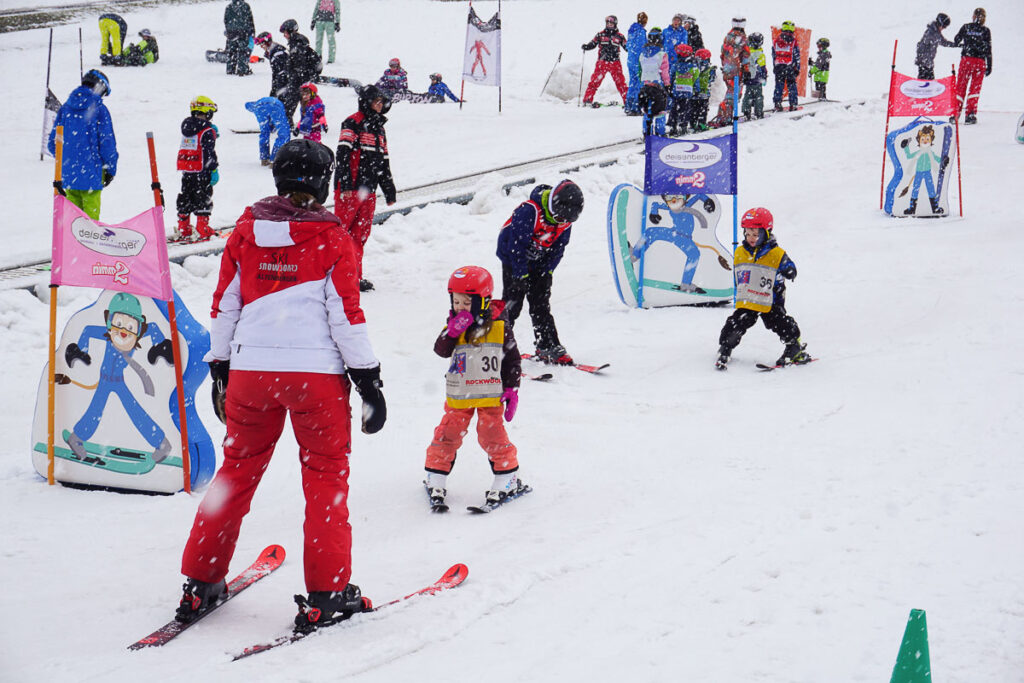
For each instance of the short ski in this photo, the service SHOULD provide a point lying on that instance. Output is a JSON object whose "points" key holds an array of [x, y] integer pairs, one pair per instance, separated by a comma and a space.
{"points": [[768, 368], [269, 560], [455, 575], [546, 377], [492, 506], [592, 369]]}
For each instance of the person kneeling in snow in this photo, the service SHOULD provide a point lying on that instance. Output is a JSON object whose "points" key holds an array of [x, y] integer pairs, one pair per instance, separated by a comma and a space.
{"points": [[438, 90]]}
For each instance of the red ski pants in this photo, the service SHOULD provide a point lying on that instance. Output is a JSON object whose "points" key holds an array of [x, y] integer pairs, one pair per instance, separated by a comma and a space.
{"points": [[257, 403], [490, 432], [356, 216], [602, 68], [972, 71]]}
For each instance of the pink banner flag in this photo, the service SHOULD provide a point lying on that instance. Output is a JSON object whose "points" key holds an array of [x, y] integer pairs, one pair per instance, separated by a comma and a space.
{"points": [[913, 97], [129, 257]]}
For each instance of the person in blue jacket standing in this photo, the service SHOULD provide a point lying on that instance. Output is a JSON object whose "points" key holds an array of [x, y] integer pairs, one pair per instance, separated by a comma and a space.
{"points": [[636, 38], [674, 35], [438, 90], [530, 247], [271, 116], [89, 156]]}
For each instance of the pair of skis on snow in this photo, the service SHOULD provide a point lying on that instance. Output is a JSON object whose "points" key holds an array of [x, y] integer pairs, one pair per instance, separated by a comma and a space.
{"points": [[547, 376], [269, 560], [439, 506]]}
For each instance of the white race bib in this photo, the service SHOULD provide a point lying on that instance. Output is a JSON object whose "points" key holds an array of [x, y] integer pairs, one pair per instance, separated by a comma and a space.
{"points": [[754, 284], [475, 372]]}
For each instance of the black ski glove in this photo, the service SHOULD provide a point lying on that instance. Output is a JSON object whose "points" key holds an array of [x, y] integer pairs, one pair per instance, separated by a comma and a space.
{"points": [[709, 205], [219, 370], [107, 177], [904, 143], [375, 411], [164, 349], [337, 27], [654, 218], [73, 353], [312, 25]]}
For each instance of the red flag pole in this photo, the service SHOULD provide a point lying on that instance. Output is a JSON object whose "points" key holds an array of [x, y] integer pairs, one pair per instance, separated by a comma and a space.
{"points": [[956, 124], [888, 106], [51, 394], [172, 318]]}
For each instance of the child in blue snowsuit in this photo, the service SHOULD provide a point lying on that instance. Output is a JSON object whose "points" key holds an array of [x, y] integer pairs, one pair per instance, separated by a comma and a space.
{"points": [[438, 90], [271, 116]]}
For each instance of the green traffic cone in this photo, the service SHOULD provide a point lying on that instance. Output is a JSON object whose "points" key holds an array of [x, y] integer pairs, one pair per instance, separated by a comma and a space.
{"points": [[912, 663]]}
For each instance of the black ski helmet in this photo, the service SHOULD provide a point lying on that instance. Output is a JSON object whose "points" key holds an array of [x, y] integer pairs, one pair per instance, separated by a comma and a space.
{"points": [[942, 20], [289, 26], [823, 43], [97, 81], [369, 93], [436, 78], [654, 36], [755, 40], [304, 166], [566, 202]]}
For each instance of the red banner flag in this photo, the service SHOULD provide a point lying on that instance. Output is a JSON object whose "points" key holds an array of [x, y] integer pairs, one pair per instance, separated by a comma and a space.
{"points": [[913, 97]]}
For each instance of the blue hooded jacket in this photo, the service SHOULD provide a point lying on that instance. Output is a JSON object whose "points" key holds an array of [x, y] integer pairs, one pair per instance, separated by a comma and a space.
{"points": [[635, 40], [89, 144]]}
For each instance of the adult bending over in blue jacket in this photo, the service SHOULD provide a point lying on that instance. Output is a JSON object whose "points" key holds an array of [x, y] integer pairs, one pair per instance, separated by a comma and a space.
{"points": [[271, 116]]}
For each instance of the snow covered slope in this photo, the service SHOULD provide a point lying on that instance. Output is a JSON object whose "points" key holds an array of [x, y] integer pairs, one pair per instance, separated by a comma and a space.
{"points": [[686, 524]]}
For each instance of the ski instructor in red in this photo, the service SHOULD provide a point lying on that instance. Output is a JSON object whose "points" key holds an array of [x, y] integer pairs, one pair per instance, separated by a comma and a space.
{"points": [[363, 165], [608, 42], [287, 337]]}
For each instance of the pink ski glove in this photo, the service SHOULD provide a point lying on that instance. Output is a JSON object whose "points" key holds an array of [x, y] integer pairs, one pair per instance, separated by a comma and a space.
{"points": [[510, 397], [459, 323]]}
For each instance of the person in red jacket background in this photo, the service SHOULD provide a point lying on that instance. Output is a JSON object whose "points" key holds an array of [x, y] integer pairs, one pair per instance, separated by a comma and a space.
{"points": [[608, 42], [975, 63], [363, 165], [287, 337]]}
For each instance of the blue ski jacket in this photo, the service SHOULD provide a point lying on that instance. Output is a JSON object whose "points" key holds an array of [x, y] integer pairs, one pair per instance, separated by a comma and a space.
{"points": [[439, 90], [89, 144], [635, 40]]}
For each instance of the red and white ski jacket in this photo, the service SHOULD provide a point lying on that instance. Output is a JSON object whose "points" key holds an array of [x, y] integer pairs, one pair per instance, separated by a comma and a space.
{"points": [[287, 299]]}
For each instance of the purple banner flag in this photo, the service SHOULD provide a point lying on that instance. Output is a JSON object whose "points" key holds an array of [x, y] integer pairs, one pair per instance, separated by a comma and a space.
{"points": [[676, 167]]}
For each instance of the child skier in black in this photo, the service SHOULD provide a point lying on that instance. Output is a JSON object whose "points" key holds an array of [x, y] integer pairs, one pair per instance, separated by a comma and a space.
{"points": [[819, 68], [197, 161], [760, 269]]}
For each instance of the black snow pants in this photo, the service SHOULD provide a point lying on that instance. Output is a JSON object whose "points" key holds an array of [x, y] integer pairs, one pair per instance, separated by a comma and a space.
{"points": [[743, 319], [196, 194], [534, 289]]}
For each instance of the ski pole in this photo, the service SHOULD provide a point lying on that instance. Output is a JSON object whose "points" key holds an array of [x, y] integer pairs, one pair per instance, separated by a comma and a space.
{"points": [[579, 96], [172, 319]]}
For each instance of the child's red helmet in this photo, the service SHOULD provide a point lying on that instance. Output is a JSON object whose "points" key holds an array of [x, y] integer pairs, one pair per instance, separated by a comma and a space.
{"points": [[684, 50], [311, 87], [394, 63], [703, 53], [263, 38], [476, 282], [471, 280], [758, 218]]}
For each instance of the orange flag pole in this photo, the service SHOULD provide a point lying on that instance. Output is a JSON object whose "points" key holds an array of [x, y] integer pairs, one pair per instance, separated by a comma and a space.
{"points": [[51, 392], [888, 105], [186, 462]]}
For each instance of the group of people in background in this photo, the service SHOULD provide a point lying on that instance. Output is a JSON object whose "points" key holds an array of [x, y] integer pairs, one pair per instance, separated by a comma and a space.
{"points": [[670, 71], [114, 51], [975, 42]]}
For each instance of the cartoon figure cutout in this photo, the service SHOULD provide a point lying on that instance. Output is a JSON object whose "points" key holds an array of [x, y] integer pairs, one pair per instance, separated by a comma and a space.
{"points": [[920, 155], [116, 414], [673, 243]]}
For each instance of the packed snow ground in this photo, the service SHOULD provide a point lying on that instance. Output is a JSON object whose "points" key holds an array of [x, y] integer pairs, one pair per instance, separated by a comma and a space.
{"points": [[686, 524]]}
